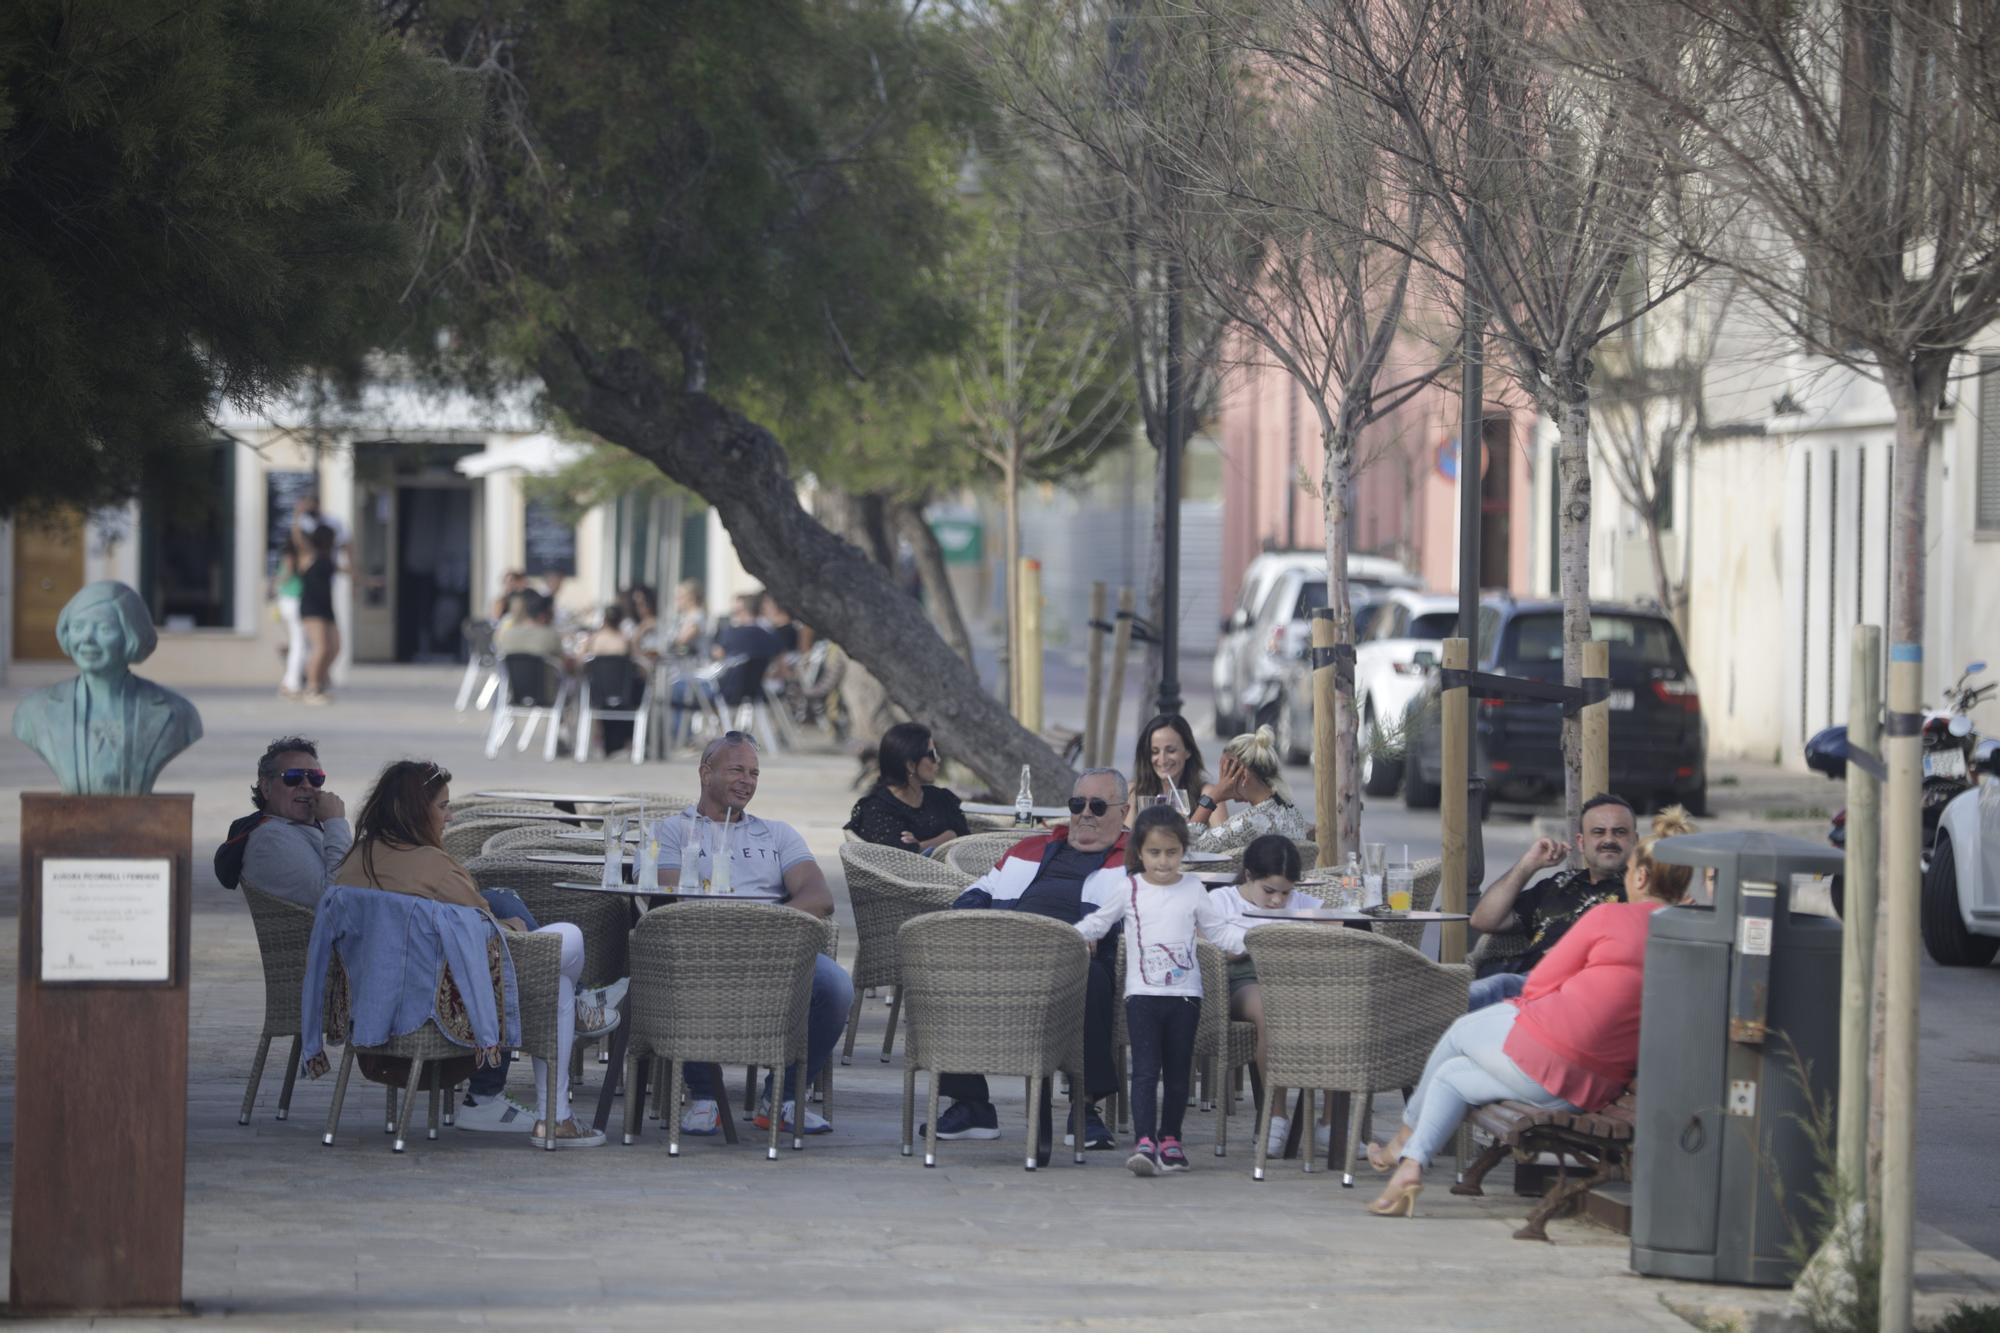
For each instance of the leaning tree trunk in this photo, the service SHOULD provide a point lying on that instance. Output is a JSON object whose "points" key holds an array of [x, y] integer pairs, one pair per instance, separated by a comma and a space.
{"points": [[940, 598], [870, 711], [739, 468], [1573, 473]]}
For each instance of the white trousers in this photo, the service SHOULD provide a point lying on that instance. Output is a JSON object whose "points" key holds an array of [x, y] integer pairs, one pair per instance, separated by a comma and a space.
{"points": [[572, 968], [295, 644]]}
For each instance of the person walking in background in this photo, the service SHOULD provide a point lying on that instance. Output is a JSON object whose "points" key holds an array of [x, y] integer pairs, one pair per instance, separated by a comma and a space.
{"points": [[288, 587], [316, 612], [690, 620]]}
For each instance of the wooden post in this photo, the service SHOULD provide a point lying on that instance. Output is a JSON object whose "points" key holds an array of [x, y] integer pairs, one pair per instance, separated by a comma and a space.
{"points": [[1902, 832], [1114, 698], [1326, 771], [1596, 723], [100, 1089], [1455, 755], [1858, 881], [1093, 676], [1029, 672]]}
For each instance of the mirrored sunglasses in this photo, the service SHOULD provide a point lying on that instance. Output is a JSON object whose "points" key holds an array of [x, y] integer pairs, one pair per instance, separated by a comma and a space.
{"points": [[292, 777]]}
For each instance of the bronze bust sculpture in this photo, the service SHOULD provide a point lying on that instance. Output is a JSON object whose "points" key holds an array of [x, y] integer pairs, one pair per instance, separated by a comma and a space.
{"points": [[107, 732]]}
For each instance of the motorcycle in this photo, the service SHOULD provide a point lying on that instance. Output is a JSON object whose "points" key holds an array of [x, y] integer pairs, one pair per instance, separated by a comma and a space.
{"points": [[1952, 754]]}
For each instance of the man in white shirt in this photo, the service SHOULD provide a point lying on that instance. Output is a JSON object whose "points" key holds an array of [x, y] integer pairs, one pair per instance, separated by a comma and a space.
{"points": [[717, 837]]}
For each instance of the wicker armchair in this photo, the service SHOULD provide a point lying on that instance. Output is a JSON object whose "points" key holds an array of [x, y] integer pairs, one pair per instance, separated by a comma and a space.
{"points": [[465, 838], [887, 886], [604, 918], [715, 982], [1350, 1011], [431, 1054], [283, 931], [533, 838], [463, 811], [992, 993], [1308, 852], [973, 856]]}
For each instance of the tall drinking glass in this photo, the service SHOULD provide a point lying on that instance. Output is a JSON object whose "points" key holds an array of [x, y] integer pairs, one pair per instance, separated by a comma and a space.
{"points": [[1400, 879], [1374, 862], [614, 851]]}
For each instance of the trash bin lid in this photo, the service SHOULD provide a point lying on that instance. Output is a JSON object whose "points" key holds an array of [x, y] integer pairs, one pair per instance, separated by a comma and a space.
{"points": [[1759, 854]]}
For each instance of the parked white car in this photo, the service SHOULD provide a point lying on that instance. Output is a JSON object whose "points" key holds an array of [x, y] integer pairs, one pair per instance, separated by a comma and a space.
{"points": [[1272, 626], [1961, 898], [1387, 677]]}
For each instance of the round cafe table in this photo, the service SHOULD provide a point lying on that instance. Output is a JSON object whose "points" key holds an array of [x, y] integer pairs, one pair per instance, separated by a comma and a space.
{"points": [[556, 798]]}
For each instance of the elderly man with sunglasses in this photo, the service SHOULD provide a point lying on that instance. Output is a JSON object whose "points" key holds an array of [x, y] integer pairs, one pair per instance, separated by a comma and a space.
{"points": [[300, 830], [1045, 874]]}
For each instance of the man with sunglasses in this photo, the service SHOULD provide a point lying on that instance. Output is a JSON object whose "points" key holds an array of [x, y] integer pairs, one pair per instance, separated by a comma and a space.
{"points": [[1045, 874], [300, 831]]}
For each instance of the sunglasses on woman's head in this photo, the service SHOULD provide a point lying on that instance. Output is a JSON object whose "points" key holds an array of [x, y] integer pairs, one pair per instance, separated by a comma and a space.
{"points": [[292, 777], [1097, 805]]}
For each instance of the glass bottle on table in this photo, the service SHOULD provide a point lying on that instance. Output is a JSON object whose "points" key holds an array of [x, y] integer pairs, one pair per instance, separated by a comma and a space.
{"points": [[1024, 799]]}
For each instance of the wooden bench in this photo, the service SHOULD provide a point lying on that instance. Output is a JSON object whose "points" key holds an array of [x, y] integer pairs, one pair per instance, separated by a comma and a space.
{"points": [[1600, 1142]]}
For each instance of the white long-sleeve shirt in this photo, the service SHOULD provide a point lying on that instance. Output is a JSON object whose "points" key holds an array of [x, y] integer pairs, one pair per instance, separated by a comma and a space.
{"points": [[1162, 921]]}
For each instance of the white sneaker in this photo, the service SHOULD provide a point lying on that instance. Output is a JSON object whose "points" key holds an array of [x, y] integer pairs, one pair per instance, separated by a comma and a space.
{"points": [[500, 1114], [815, 1122], [1274, 1146], [701, 1117]]}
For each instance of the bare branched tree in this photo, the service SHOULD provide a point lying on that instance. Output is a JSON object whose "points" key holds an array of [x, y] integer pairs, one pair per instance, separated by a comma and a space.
{"points": [[1284, 197], [1650, 396], [1548, 186]]}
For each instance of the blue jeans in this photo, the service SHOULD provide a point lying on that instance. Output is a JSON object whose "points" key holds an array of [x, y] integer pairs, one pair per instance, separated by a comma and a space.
{"points": [[1491, 990], [489, 1082], [1469, 1067], [826, 1022]]}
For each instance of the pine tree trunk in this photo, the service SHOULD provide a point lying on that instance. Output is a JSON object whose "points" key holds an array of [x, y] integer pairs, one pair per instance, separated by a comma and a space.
{"points": [[740, 469], [1573, 471]]}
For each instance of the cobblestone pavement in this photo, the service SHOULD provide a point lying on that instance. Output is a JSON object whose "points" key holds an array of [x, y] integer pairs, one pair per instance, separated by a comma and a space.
{"points": [[478, 1229]]}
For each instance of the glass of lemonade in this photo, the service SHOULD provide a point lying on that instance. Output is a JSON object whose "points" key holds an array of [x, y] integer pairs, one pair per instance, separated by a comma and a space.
{"points": [[1400, 878]]}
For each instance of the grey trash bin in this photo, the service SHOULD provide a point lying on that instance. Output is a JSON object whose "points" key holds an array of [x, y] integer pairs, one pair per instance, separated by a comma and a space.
{"points": [[1741, 1017]]}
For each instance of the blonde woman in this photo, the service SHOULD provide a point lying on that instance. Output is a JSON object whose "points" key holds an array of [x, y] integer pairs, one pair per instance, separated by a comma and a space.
{"points": [[1249, 775], [1571, 1039]]}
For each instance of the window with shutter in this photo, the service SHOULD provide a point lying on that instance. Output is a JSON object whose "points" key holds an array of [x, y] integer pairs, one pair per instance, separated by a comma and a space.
{"points": [[1986, 509]]}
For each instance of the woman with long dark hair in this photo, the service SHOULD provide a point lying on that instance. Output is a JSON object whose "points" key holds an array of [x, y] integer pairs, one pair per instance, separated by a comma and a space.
{"points": [[1166, 758], [906, 808], [399, 848]]}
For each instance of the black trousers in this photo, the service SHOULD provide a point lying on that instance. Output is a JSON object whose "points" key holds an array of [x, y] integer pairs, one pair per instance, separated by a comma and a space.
{"points": [[1100, 1074], [1161, 1028]]}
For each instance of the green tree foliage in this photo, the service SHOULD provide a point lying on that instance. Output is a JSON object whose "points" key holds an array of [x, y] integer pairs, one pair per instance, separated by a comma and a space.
{"points": [[198, 198]]}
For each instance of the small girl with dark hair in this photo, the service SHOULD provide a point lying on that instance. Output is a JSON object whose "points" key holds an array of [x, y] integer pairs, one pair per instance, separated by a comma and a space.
{"points": [[906, 808], [1268, 882], [1163, 908]]}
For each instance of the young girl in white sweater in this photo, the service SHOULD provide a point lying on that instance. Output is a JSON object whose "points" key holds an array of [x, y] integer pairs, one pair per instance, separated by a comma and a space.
{"points": [[1163, 909]]}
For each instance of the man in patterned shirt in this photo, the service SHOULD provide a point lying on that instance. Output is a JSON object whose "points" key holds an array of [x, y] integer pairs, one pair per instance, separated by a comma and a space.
{"points": [[1606, 833]]}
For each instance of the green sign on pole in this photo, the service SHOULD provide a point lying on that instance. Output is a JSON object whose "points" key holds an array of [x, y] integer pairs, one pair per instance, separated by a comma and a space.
{"points": [[962, 540]]}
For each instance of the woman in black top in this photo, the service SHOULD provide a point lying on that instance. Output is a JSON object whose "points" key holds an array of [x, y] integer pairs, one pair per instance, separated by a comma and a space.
{"points": [[904, 809], [316, 612]]}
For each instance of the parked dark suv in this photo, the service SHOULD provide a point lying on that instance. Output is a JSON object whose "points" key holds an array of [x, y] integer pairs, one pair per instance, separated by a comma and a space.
{"points": [[1659, 744]]}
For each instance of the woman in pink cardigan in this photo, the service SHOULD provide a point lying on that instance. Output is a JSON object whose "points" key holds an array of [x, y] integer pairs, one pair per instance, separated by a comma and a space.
{"points": [[1570, 1040]]}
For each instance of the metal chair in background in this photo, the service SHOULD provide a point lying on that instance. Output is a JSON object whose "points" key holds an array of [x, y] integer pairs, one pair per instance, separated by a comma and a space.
{"points": [[614, 689], [480, 662], [534, 691]]}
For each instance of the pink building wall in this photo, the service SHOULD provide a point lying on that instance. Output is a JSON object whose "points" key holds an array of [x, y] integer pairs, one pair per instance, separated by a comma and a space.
{"points": [[1405, 507]]}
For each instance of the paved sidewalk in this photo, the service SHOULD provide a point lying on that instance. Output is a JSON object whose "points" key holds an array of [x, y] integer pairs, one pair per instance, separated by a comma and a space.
{"points": [[478, 1229]]}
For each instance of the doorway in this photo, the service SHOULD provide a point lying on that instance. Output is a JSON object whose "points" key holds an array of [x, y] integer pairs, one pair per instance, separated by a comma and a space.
{"points": [[48, 571], [433, 572]]}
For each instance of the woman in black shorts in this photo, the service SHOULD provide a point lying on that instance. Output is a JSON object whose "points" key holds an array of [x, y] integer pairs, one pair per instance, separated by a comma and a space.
{"points": [[316, 611]]}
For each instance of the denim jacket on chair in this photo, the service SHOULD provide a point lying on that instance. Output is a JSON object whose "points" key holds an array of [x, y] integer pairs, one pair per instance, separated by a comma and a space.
{"points": [[391, 945]]}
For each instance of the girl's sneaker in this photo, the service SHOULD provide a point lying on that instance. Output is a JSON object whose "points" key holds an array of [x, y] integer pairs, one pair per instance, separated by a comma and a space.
{"points": [[1145, 1159], [1171, 1157]]}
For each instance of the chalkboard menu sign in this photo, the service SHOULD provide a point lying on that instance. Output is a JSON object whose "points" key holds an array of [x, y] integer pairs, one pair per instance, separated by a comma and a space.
{"points": [[282, 492], [550, 541]]}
